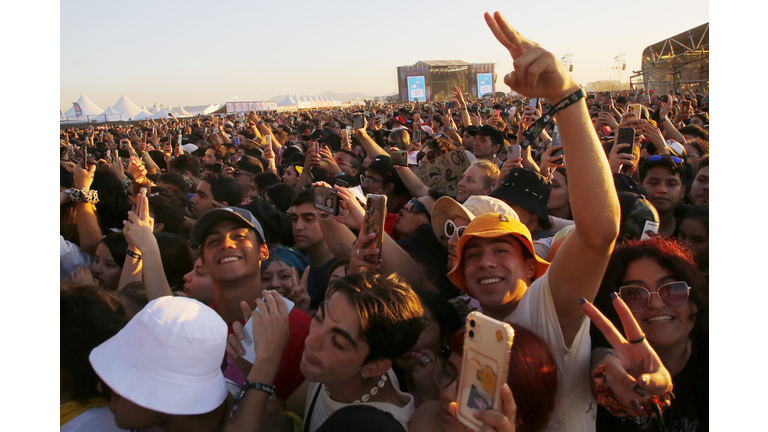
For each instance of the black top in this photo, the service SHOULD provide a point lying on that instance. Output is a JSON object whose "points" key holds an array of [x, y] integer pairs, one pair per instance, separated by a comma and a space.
{"points": [[689, 411], [317, 282]]}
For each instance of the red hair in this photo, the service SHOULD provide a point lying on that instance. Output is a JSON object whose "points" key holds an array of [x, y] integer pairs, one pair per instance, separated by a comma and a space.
{"points": [[532, 377]]}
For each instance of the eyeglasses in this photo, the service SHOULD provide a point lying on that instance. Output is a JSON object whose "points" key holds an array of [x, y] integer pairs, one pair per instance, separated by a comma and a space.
{"points": [[672, 295], [364, 179], [675, 159], [445, 372], [451, 228], [342, 162], [428, 325]]}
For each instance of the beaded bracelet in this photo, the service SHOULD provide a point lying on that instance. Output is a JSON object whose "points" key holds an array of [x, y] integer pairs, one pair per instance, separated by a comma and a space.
{"points": [[606, 400], [82, 195]]}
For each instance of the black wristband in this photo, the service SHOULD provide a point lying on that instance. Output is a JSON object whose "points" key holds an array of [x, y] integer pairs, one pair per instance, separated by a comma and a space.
{"points": [[538, 126], [268, 389], [132, 254]]}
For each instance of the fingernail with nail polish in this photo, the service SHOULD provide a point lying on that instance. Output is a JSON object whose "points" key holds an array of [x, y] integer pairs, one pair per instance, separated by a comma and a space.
{"points": [[636, 388], [637, 406], [614, 296], [582, 300]]}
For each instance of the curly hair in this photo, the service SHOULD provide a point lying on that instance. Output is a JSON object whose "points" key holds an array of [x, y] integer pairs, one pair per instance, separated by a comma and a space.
{"points": [[390, 312], [669, 254]]}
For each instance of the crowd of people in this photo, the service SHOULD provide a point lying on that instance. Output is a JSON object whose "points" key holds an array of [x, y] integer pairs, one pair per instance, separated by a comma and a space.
{"points": [[203, 289]]}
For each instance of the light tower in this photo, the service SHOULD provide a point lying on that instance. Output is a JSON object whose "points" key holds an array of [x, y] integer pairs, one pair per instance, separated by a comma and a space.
{"points": [[619, 65], [567, 63]]}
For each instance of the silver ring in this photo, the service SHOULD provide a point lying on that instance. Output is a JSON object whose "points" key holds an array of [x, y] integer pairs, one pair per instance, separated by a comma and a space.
{"points": [[358, 254], [425, 360]]}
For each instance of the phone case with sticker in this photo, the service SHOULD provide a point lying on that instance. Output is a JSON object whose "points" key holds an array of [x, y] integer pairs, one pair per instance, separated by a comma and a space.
{"points": [[484, 366]]}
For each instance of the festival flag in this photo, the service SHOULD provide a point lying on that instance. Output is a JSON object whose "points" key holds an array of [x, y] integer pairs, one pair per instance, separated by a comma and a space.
{"points": [[78, 111]]}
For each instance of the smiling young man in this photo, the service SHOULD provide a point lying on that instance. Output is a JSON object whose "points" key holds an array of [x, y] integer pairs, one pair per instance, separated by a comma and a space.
{"points": [[498, 265], [662, 178]]}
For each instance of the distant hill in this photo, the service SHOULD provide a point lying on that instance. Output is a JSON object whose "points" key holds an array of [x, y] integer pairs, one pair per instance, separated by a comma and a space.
{"points": [[343, 97]]}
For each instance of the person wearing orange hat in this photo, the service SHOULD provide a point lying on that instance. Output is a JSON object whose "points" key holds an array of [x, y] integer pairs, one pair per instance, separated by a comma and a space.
{"points": [[497, 263]]}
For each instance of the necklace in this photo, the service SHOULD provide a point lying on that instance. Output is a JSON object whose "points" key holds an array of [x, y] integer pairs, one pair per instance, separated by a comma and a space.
{"points": [[366, 397]]}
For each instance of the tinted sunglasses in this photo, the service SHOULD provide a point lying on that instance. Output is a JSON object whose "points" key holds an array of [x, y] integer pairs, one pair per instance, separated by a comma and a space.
{"points": [[672, 295], [417, 206], [451, 228], [675, 159]]}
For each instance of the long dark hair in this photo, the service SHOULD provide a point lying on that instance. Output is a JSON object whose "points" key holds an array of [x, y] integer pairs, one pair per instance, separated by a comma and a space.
{"points": [[670, 255]]}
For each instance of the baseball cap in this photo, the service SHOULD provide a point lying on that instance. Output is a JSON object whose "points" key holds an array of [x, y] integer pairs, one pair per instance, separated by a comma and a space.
{"points": [[493, 225], [398, 119], [383, 166], [447, 208], [167, 208], [527, 189], [427, 129], [471, 130], [248, 163], [167, 358], [494, 133], [214, 216], [189, 148], [638, 215]]}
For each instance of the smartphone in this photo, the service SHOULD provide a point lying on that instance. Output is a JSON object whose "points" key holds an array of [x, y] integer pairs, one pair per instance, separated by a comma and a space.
{"points": [[606, 108], [489, 110], [382, 119], [533, 103], [140, 209], [375, 212], [268, 140], [556, 142], [513, 151], [418, 135], [496, 113], [484, 367], [686, 105], [626, 136], [636, 110], [327, 200], [358, 122], [316, 148], [399, 158], [216, 168], [349, 131], [236, 140]]}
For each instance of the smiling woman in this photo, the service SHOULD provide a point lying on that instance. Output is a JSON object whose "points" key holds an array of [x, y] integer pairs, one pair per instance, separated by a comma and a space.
{"points": [[666, 293]]}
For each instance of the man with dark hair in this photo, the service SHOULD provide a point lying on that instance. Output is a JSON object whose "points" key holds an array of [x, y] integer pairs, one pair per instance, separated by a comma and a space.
{"points": [[215, 153], [691, 132], [246, 168], [621, 103], [382, 178], [662, 177], [189, 168], [216, 187], [700, 187], [489, 142], [309, 238]]}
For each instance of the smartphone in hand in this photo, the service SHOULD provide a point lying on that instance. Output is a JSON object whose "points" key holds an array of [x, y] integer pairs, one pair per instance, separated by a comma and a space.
{"points": [[140, 208], [484, 367], [327, 200], [626, 136], [375, 212]]}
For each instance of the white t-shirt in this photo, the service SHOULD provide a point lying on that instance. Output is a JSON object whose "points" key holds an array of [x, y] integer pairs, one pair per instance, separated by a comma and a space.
{"points": [[71, 258], [98, 419], [325, 406], [575, 407]]}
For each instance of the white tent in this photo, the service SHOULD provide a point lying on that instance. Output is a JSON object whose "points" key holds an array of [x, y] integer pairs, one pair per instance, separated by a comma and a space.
{"points": [[180, 112], [125, 106], [89, 108], [201, 109], [153, 109], [111, 114], [288, 101], [143, 116], [163, 113], [145, 109]]}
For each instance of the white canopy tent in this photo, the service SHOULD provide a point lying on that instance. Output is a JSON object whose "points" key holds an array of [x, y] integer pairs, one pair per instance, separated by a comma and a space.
{"points": [[111, 114], [143, 116], [180, 112], [125, 106], [288, 101], [88, 108]]}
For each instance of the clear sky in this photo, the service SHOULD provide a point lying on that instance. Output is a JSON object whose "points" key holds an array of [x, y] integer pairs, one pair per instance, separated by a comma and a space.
{"points": [[199, 52]]}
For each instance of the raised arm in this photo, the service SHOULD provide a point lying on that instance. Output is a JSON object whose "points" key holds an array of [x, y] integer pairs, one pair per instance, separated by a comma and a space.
{"points": [[414, 184], [88, 229], [368, 143], [578, 267]]}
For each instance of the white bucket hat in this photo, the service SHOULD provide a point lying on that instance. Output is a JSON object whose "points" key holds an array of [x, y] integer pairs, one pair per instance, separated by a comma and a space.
{"points": [[167, 358], [448, 208]]}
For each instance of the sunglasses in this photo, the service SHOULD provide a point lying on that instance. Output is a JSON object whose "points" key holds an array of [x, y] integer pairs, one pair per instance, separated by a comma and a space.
{"points": [[672, 295], [451, 228], [675, 159], [417, 207]]}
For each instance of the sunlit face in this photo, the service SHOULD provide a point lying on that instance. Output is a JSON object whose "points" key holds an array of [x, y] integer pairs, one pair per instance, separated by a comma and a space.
{"points": [[664, 189], [334, 350], [104, 269], [198, 284], [344, 161], [693, 154], [492, 268], [663, 327], [202, 201], [306, 227], [696, 121], [472, 183], [232, 252], [700, 187], [278, 276]]}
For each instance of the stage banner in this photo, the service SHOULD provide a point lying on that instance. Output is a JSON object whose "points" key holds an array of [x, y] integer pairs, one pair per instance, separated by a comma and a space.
{"points": [[484, 84], [416, 89]]}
